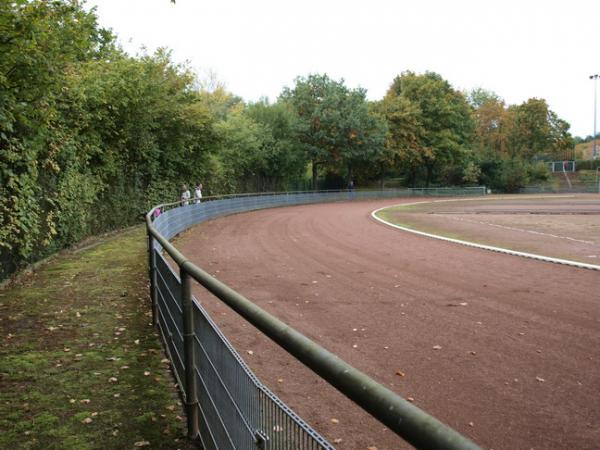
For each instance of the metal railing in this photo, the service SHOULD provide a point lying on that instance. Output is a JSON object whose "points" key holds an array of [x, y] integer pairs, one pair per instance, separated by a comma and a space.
{"points": [[227, 406], [561, 166]]}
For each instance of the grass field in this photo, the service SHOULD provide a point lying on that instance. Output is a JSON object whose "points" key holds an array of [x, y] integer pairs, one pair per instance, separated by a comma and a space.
{"points": [[80, 364]]}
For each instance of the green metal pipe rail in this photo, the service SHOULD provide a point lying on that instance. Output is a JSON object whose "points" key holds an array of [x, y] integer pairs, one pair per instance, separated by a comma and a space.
{"points": [[408, 421]]}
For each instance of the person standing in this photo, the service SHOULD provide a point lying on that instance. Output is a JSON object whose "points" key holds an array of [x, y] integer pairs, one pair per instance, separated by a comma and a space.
{"points": [[185, 195], [198, 192]]}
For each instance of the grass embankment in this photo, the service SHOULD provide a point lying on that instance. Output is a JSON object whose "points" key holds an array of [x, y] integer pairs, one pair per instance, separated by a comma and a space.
{"points": [[80, 365]]}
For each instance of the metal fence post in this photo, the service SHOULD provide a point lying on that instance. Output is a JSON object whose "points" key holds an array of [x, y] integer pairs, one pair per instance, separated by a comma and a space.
{"points": [[152, 276], [191, 394]]}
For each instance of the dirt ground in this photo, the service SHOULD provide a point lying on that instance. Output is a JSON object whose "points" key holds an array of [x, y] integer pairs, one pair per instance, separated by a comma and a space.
{"points": [[566, 227], [519, 363]]}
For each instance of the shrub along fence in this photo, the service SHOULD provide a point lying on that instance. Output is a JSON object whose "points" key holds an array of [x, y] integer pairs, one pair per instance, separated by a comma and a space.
{"points": [[227, 406]]}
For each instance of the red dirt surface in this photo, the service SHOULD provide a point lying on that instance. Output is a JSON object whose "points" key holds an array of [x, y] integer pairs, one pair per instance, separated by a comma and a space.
{"points": [[519, 363]]}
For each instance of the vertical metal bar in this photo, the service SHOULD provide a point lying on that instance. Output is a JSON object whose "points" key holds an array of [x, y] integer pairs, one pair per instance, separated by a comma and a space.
{"points": [[152, 276], [191, 392]]}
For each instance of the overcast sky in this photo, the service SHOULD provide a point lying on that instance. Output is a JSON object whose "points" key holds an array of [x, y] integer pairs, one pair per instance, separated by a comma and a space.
{"points": [[518, 49]]}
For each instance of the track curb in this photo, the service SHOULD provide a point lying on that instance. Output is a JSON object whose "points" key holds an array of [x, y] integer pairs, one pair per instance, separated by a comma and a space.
{"points": [[566, 262]]}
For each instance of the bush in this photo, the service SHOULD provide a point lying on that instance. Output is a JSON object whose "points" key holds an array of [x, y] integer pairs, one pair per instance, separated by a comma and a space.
{"points": [[539, 172], [514, 176], [587, 164]]}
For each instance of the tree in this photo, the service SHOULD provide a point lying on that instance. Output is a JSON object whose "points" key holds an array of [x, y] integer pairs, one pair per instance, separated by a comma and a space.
{"points": [[285, 162], [492, 124], [536, 131], [334, 125], [430, 123], [403, 144]]}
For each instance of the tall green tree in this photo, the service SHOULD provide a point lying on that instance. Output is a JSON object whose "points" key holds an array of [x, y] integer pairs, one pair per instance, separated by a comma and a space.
{"points": [[334, 124], [285, 161], [430, 123], [492, 124], [536, 131]]}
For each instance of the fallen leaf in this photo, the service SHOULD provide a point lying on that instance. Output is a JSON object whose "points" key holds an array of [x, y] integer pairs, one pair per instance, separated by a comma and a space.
{"points": [[335, 421], [141, 444], [85, 401], [87, 420], [400, 373], [137, 341], [112, 380], [337, 441], [146, 373]]}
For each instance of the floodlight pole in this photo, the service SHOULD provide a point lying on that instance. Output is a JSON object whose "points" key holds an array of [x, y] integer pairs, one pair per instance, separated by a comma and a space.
{"points": [[595, 78]]}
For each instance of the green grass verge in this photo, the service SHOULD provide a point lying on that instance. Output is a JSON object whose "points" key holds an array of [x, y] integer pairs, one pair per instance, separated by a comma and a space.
{"points": [[81, 366]]}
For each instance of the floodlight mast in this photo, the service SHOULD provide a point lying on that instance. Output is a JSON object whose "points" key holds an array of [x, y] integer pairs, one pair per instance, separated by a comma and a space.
{"points": [[594, 151]]}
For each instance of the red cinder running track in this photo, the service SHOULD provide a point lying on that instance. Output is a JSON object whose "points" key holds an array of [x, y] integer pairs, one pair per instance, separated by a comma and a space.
{"points": [[505, 350]]}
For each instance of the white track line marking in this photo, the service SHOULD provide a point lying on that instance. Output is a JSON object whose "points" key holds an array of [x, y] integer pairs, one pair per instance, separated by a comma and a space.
{"points": [[507, 251]]}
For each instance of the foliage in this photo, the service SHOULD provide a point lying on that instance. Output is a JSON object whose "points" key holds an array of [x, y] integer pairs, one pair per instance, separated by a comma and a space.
{"points": [[587, 164], [430, 124], [334, 125], [91, 137], [40, 43]]}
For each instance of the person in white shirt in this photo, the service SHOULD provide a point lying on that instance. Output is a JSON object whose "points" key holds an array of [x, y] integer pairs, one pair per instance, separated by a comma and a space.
{"points": [[198, 192], [185, 195]]}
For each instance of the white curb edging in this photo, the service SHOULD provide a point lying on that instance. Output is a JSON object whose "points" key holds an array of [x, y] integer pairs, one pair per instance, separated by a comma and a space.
{"points": [[566, 262]]}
